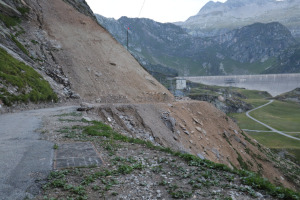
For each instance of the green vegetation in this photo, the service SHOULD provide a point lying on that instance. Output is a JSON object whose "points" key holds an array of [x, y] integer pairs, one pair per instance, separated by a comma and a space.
{"points": [[23, 10], [276, 141], [26, 83], [231, 66], [55, 146], [19, 45], [246, 123], [9, 21], [283, 116], [253, 94]]}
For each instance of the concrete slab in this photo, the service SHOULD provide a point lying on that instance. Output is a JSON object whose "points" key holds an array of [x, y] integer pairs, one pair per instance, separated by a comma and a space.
{"points": [[79, 154]]}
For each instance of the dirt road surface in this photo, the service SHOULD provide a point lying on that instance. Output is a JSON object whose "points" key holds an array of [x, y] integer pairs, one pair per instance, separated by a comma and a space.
{"points": [[25, 158]]}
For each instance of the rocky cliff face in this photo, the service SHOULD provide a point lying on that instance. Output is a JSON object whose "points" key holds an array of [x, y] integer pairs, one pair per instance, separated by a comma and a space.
{"points": [[217, 18], [247, 50], [256, 42], [288, 61]]}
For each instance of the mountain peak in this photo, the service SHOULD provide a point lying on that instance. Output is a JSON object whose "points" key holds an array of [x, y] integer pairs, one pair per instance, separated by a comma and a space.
{"points": [[216, 18]]}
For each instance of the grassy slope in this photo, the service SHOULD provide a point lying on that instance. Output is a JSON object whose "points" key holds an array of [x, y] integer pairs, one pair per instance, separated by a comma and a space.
{"points": [[256, 98], [284, 116], [28, 84]]}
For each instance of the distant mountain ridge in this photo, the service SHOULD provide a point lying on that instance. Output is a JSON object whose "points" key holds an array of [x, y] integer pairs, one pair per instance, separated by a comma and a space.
{"points": [[248, 50], [216, 18]]}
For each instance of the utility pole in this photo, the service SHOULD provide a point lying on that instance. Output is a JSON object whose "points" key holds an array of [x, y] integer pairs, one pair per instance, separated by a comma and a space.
{"points": [[127, 37]]}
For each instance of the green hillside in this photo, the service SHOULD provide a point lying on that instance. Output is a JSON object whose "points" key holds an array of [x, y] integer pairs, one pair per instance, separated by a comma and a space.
{"points": [[21, 83]]}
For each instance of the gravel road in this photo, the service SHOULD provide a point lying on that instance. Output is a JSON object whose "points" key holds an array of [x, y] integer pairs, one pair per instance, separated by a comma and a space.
{"points": [[25, 158]]}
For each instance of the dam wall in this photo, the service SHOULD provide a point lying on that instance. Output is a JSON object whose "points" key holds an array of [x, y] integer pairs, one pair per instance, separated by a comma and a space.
{"points": [[275, 84]]}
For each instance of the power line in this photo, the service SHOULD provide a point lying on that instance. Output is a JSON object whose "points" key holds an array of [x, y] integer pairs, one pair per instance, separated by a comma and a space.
{"points": [[142, 8], [137, 17]]}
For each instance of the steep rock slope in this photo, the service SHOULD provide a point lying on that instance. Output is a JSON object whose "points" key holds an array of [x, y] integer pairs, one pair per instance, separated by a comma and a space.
{"points": [[216, 18], [77, 56], [96, 65], [288, 61]]}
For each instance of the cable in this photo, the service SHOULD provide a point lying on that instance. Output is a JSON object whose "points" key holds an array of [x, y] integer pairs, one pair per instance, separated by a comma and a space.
{"points": [[142, 8]]}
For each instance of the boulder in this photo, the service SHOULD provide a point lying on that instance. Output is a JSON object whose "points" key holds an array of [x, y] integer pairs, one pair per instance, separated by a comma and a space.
{"points": [[200, 156], [85, 107]]}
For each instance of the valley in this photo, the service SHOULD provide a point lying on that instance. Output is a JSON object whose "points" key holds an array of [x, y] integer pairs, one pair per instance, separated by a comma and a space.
{"points": [[125, 135], [282, 114]]}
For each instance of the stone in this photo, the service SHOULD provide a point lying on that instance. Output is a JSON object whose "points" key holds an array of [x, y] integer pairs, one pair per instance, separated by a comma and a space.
{"points": [[75, 96], [9, 10], [186, 132], [237, 139], [200, 156], [109, 119], [196, 120], [236, 132], [98, 74], [85, 107], [226, 134], [199, 129], [244, 143], [221, 98], [169, 121], [182, 126], [98, 100], [216, 152], [87, 118]]}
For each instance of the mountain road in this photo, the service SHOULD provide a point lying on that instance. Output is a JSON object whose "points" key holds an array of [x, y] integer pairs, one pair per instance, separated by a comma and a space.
{"points": [[25, 159]]}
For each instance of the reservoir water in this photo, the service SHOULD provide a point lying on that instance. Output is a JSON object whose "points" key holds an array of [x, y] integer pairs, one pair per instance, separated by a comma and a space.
{"points": [[275, 84]]}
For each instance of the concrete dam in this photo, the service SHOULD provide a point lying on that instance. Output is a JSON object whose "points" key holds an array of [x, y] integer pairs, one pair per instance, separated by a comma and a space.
{"points": [[275, 84]]}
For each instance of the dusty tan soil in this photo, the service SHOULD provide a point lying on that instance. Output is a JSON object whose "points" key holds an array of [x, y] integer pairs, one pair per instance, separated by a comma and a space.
{"points": [[97, 66]]}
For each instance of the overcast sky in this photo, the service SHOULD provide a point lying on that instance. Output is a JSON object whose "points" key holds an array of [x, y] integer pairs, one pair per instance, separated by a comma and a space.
{"points": [[158, 10]]}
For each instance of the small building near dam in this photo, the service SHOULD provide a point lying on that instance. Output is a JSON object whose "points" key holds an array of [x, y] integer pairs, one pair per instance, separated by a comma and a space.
{"points": [[180, 84], [275, 84]]}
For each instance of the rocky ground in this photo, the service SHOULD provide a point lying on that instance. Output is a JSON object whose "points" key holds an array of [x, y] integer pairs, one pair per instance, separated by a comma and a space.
{"points": [[136, 169]]}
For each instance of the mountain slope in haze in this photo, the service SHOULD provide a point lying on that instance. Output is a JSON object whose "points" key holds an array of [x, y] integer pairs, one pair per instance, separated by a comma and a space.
{"points": [[288, 61], [216, 18], [248, 50]]}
